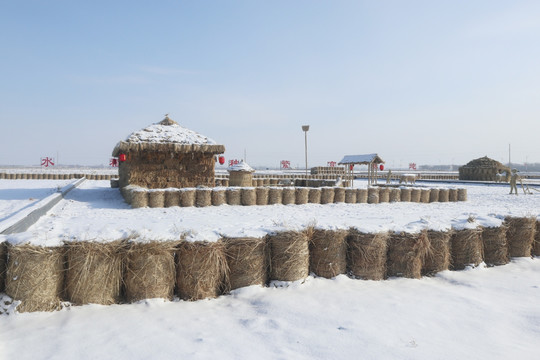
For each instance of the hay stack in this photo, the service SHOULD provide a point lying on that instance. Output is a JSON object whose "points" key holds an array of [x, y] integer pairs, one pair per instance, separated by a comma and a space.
{"points": [[172, 197], [425, 195], [202, 270], [327, 195], [150, 271], [453, 195], [3, 261], [233, 196], [406, 194], [434, 195], [139, 198], [439, 255], [156, 198], [314, 196], [35, 276], [462, 195], [520, 235], [444, 195], [339, 195], [274, 181], [366, 255], [373, 195], [350, 196], [466, 247], [247, 259], [301, 195], [94, 273], [361, 196], [289, 196], [203, 197], [415, 195], [406, 254], [261, 194], [275, 195], [328, 253], [218, 197], [395, 195], [187, 197], [248, 196], [289, 256], [536, 245], [495, 245], [384, 195]]}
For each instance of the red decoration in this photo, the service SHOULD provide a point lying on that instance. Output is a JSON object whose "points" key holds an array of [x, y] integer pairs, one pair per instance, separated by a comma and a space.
{"points": [[351, 167], [221, 160], [113, 162], [381, 167], [122, 157], [47, 161], [285, 164]]}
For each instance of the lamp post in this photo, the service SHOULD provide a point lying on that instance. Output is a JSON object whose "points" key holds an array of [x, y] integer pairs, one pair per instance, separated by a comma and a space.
{"points": [[305, 128]]}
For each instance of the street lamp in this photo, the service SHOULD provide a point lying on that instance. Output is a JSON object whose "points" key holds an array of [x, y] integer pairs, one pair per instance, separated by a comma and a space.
{"points": [[305, 128]]}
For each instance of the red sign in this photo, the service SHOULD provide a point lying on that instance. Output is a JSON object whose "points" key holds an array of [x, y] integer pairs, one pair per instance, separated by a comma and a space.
{"points": [[285, 164], [47, 161], [113, 162], [412, 166], [332, 163], [233, 162]]}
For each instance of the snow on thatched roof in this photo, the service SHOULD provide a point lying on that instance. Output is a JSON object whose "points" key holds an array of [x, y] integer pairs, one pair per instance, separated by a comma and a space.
{"points": [[167, 135], [241, 166], [361, 159], [484, 162]]}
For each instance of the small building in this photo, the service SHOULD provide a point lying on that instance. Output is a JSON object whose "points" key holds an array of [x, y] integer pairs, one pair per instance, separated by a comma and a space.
{"points": [[482, 169], [371, 160], [165, 155], [240, 174]]}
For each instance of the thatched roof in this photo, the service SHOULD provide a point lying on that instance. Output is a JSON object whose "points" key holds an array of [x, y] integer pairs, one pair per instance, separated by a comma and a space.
{"points": [[241, 166], [168, 136], [484, 162], [365, 159]]}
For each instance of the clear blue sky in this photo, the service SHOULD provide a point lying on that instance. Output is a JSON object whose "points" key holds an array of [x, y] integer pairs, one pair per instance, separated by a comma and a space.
{"points": [[431, 82]]}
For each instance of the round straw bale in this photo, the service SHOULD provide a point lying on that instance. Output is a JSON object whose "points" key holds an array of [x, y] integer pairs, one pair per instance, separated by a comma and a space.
{"points": [[233, 196], [384, 195], [3, 260], [261, 194], [395, 195], [361, 196], [520, 235], [289, 196], [172, 197], [260, 182], [302, 194], [406, 254], [444, 195], [495, 245], [327, 195], [218, 197], [453, 195], [366, 255], [24, 176], [462, 195], [150, 270], [139, 198], [156, 198], [248, 196], [203, 197], [94, 273], [274, 181], [328, 252], [339, 195], [187, 197], [350, 196], [202, 270], [247, 259], [289, 256], [314, 196], [373, 195], [35, 276], [466, 248], [275, 195], [536, 245], [439, 256], [406, 194], [434, 195]]}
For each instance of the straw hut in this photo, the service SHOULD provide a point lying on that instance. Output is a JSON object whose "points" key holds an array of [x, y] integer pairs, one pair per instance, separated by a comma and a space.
{"points": [[165, 155], [240, 174], [482, 169], [373, 162]]}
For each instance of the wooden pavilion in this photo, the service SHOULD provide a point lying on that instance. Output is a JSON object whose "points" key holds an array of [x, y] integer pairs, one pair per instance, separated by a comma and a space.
{"points": [[371, 160]]}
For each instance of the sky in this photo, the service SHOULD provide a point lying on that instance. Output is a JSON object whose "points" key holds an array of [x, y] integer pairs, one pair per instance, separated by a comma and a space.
{"points": [[429, 82]]}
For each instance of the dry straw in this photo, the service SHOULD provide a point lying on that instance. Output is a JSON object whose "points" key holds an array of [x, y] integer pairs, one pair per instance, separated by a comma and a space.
{"points": [[373, 195], [289, 196], [203, 197], [233, 196], [495, 245], [262, 195], [384, 195], [350, 196], [327, 195], [339, 195], [536, 245], [406, 254], [328, 252], [361, 196], [172, 197], [275, 196], [150, 270], [94, 273], [302, 194], [314, 196], [416, 193], [202, 270], [139, 198], [395, 195], [520, 235], [462, 195], [247, 259], [434, 195], [366, 255], [218, 197], [289, 256], [406, 194], [453, 195], [444, 195], [425, 195], [248, 196], [156, 198], [187, 197], [3, 259], [35, 276], [439, 255], [466, 248]]}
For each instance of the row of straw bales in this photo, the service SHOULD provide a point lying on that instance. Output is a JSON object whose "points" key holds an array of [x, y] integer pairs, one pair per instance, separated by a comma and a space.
{"points": [[52, 176], [141, 197], [123, 271]]}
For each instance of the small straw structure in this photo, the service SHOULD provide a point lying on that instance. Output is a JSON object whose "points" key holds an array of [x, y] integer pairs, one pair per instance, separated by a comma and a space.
{"points": [[439, 255], [536, 245], [262, 195], [328, 252], [172, 197], [366, 255], [384, 195], [395, 195], [203, 197], [289, 196], [406, 253], [453, 195], [314, 196], [150, 270], [248, 196], [406, 194], [520, 235], [139, 198], [425, 195], [339, 195], [434, 195], [495, 245], [466, 247], [462, 195], [202, 270], [275, 195], [218, 197], [350, 196], [373, 195], [361, 196], [94, 273], [289, 256], [233, 196], [302, 194], [247, 259], [187, 197], [444, 195], [327, 195], [35, 276], [156, 198]]}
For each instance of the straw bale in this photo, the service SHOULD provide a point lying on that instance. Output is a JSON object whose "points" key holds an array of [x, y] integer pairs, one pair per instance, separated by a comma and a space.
{"points": [[327, 195], [406, 254], [3, 260], [439, 255], [425, 195], [466, 247], [314, 196], [536, 245], [260, 182], [302, 195], [434, 195], [274, 181], [203, 197], [156, 198], [202, 270], [366, 255], [520, 235], [406, 194], [241, 178], [139, 198], [248, 196], [233, 196], [339, 195], [35, 276], [328, 252], [384, 195], [218, 197], [395, 195], [187, 197], [444, 195], [94, 273], [275, 195], [248, 261], [350, 196], [361, 196], [172, 197], [495, 245], [462, 195], [289, 196], [373, 195], [225, 182], [261, 195], [150, 270], [289, 256]]}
